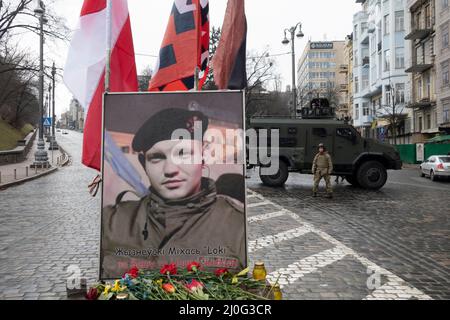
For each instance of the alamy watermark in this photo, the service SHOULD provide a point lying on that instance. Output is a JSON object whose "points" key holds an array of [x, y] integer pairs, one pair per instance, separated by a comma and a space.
{"points": [[228, 146]]}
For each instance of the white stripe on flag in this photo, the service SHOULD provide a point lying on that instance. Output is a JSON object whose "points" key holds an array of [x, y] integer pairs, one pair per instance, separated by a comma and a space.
{"points": [[86, 60]]}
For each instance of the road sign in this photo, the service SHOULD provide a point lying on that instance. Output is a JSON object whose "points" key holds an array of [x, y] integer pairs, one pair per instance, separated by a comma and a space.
{"points": [[47, 122]]}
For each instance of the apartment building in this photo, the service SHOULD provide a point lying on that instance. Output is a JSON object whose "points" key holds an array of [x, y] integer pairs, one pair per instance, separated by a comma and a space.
{"points": [[379, 78], [443, 62], [423, 71], [319, 73], [345, 110]]}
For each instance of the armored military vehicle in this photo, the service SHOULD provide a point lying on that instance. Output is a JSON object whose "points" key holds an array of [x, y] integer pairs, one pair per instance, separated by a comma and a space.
{"points": [[363, 162]]}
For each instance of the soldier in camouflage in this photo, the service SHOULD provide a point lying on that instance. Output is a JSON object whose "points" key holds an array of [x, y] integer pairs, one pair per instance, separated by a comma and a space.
{"points": [[322, 168]]}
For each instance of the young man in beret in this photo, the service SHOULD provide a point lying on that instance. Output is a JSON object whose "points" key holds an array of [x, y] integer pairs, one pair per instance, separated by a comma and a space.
{"points": [[183, 219]]}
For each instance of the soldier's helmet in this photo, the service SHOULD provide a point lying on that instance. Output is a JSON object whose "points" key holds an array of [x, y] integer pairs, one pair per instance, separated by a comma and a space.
{"points": [[321, 145]]}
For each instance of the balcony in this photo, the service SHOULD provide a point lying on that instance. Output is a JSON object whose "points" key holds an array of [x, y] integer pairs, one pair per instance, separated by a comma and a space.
{"points": [[421, 103], [419, 67], [343, 68], [419, 33], [343, 88]]}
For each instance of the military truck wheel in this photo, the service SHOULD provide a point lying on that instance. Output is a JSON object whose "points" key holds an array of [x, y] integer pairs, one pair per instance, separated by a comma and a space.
{"points": [[352, 180], [278, 179], [372, 175]]}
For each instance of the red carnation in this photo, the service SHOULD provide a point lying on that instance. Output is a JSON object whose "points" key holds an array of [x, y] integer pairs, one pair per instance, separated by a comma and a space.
{"points": [[194, 285], [221, 272], [193, 266], [169, 269], [133, 272], [92, 294]]}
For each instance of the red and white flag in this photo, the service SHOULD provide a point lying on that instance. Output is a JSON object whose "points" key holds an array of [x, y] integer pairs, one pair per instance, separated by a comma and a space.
{"points": [[84, 72]]}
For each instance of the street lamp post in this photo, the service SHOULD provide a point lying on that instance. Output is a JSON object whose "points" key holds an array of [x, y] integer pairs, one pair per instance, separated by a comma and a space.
{"points": [[300, 34], [53, 143], [41, 157]]}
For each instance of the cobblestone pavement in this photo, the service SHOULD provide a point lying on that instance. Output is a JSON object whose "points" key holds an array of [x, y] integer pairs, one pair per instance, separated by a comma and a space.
{"points": [[47, 225], [391, 244]]}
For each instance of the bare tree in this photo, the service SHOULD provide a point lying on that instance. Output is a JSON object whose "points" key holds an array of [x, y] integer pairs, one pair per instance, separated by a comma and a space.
{"points": [[392, 111], [214, 39], [144, 78]]}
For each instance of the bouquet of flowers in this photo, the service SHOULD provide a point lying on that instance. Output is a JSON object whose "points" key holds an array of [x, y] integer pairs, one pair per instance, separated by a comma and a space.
{"points": [[191, 283]]}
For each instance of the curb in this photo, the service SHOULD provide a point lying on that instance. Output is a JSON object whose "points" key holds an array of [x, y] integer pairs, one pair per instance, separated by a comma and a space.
{"points": [[67, 159], [16, 182]]}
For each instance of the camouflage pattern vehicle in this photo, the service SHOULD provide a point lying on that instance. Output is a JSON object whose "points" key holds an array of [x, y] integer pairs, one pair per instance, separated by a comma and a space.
{"points": [[363, 162]]}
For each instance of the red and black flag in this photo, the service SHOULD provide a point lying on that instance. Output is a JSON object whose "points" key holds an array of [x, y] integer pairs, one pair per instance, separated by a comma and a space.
{"points": [[229, 62], [185, 47]]}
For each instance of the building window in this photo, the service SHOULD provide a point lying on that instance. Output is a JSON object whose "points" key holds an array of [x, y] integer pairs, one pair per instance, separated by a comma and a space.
{"points": [[399, 21], [446, 114], [445, 36], [399, 58], [419, 89], [428, 121], [420, 124], [428, 86], [400, 93], [355, 32], [445, 74], [386, 24], [356, 58], [444, 4], [387, 96], [356, 111], [366, 109], [387, 60], [356, 84], [428, 17], [418, 21]]}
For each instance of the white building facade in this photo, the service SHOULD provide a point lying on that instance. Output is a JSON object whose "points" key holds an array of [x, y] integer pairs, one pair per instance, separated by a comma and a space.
{"points": [[380, 84]]}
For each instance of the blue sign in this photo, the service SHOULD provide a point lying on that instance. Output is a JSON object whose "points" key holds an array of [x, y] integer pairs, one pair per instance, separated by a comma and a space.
{"points": [[47, 122]]}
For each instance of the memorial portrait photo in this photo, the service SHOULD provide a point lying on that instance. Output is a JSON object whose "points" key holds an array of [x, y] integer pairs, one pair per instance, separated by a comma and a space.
{"points": [[173, 181]]}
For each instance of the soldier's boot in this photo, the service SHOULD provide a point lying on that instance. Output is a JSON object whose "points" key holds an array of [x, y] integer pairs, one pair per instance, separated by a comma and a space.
{"points": [[329, 195], [314, 194]]}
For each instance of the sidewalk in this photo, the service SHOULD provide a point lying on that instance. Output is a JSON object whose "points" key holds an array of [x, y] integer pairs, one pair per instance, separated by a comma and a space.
{"points": [[15, 173]]}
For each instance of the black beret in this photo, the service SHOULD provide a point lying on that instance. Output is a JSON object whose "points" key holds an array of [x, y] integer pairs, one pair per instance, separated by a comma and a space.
{"points": [[162, 124]]}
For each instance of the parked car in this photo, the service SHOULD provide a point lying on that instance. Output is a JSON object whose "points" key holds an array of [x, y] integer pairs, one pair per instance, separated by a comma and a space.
{"points": [[436, 166]]}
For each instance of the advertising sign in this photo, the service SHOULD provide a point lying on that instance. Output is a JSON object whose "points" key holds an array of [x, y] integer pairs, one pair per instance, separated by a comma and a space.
{"points": [[173, 181], [420, 152], [321, 45]]}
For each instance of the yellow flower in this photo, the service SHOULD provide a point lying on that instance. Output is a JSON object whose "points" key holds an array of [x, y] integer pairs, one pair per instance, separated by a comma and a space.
{"points": [[159, 282], [107, 289], [116, 287]]}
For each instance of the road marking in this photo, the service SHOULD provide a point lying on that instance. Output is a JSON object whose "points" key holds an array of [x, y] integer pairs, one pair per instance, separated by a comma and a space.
{"points": [[266, 216], [306, 266], [402, 289], [258, 204], [395, 290], [273, 239]]}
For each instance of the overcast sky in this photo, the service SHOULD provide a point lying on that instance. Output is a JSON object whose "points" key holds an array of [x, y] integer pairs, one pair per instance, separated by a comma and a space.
{"points": [[321, 19]]}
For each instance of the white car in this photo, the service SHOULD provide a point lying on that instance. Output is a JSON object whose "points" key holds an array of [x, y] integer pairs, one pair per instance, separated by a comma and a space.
{"points": [[436, 166]]}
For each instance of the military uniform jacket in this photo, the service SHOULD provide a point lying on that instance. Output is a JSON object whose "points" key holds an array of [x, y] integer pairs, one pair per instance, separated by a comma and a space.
{"points": [[322, 162], [207, 228]]}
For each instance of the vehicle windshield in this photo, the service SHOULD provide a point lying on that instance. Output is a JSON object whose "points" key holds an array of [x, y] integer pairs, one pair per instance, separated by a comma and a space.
{"points": [[445, 159]]}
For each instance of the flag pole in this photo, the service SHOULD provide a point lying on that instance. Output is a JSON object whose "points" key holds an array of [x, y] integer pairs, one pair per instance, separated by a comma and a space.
{"points": [[108, 44], [199, 37]]}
